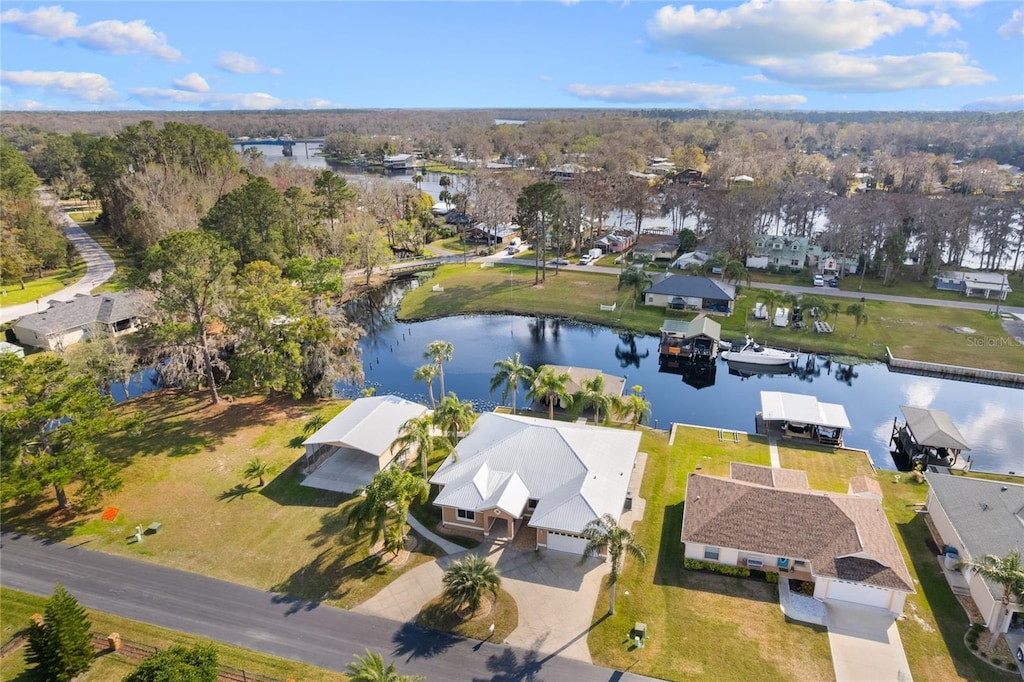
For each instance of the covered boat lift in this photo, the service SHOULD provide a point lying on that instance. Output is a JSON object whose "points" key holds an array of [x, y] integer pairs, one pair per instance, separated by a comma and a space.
{"points": [[802, 416], [927, 437], [697, 339]]}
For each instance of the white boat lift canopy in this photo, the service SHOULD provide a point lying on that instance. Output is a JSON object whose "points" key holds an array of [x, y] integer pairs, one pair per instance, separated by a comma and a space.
{"points": [[802, 409], [933, 428]]}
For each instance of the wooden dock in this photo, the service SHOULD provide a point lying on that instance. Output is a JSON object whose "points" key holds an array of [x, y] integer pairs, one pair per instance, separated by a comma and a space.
{"points": [[971, 374]]}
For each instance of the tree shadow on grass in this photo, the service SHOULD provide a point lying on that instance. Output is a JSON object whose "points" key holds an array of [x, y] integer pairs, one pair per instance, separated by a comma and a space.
{"points": [[414, 642], [42, 519], [286, 489], [236, 493]]}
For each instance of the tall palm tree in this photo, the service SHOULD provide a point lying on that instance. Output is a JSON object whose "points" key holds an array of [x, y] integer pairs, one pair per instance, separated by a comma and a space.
{"points": [[593, 395], [833, 310], [453, 415], [427, 373], [440, 352], [371, 668], [417, 179], [634, 406], [770, 298], [859, 314], [393, 487], [606, 534], [1008, 571], [512, 373], [550, 388], [637, 278], [734, 271], [467, 580], [256, 468], [416, 434]]}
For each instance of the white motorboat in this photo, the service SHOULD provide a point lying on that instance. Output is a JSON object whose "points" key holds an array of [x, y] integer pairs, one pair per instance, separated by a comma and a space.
{"points": [[751, 353]]}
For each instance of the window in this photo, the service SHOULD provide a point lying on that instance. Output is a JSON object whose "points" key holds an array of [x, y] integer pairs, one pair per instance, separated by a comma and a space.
{"points": [[531, 503], [465, 514], [711, 553], [795, 263], [796, 247]]}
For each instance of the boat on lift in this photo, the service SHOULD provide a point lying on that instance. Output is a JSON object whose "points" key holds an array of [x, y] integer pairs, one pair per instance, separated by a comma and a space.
{"points": [[751, 353]]}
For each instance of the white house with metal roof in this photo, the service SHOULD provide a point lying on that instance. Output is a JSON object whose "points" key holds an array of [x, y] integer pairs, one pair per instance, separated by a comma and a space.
{"points": [[537, 476], [978, 517], [67, 322], [348, 450]]}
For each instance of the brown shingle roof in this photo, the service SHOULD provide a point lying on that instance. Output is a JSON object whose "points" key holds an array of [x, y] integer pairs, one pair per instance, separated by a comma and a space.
{"points": [[861, 485], [842, 536], [772, 477]]}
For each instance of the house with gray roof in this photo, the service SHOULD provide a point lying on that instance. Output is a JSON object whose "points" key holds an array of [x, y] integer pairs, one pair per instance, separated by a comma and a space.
{"points": [[67, 322], [978, 517], [682, 292], [769, 519], [549, 479]]}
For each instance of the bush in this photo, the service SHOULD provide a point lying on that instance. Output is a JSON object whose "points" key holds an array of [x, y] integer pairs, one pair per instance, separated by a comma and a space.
{"points": [[696, 565], [772, 578], [1010, 665], [973, 646], [178, 663]]}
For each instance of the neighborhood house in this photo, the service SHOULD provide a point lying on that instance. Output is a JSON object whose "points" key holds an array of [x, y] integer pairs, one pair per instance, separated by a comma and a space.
{"points": [[686, 292], [984, 284], [67, 322], [546, 478]]}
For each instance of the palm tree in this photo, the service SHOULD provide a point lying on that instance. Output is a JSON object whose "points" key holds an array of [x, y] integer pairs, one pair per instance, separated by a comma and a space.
{"points": [[391, 488], [454, 415], [637, 278], [467, 580], [734, 271], [417, 179], [859, 314], [634, 406], [770, 298], [405, 489], [427, 373], [512, 373], [313, 424], [833, 310], [550, 388], [606, 534], [256, 468], [371, 668], [416, 434], [1008, 571], [440, 352], [593, 395]]}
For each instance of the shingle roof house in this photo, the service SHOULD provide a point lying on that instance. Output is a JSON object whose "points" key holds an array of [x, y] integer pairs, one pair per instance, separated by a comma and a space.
{"points": [[687, 291], [554, 476], [67, 322], [768, 518]]}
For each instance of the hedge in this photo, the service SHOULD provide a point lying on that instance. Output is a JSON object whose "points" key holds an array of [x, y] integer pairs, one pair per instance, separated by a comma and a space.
{"points": [[696, 565]]}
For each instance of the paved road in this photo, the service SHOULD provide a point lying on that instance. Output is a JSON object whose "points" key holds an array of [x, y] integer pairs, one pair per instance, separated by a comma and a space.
{"points": [[302, 631], [99, 268]]}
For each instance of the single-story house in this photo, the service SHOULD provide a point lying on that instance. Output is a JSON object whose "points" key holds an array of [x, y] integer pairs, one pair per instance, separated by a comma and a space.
{"points": [[488, 234], [985, 284], [978, 517], [681, 292], [660, 247], [613, 385], [616, 241], [348, 450], [400, 162], [767, 518], [67, 322], [698, 258], [13, 348], [547, 478]]}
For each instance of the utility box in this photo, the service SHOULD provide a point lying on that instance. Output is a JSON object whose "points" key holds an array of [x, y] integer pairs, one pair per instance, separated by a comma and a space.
{"points": [[114, 641], [639, 631]]}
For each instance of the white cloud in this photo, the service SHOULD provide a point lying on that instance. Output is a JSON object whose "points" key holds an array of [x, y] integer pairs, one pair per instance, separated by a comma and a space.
{"points": [[757, 78], [779, 29], [87, 87], [26, 105], [192, 82], [956, 4], [235, 62], [844, 73], [1002, 103], [157, 97], [1014, 26], [941, 23], [112, 35], [656, 91], [545, 78]]}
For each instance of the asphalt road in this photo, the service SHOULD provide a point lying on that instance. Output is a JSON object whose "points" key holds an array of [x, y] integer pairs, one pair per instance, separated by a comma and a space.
{"points": [[272, 623]]}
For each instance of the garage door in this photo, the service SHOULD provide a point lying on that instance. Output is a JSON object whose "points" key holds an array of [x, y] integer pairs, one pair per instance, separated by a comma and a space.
{"points": [[858, 594], [561, 542]]}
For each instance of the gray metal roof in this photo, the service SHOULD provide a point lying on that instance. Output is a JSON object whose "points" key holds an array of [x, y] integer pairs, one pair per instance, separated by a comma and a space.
{"points": [[933, 428], [83, 310], [987, 515], [693, 287], [368, 424]]}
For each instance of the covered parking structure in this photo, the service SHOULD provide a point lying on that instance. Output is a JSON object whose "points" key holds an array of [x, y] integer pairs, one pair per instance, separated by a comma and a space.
{"points": [[928, 436], [802, 416]]}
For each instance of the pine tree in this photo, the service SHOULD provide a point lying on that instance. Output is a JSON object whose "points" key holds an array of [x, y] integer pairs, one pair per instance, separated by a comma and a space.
{"points": [[61, 647]]}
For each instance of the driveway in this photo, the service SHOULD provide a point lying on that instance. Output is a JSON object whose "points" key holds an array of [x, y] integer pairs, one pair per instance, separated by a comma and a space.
{"points": [[554, 593], [866, 646]]}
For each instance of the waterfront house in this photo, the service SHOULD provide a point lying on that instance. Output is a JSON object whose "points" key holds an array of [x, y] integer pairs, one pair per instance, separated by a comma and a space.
{"points": [[545, 479], [616, 241], [780, 252], [613, 385], [972, 518], [829, 264], [696, 259], [400, 162], [67, 322], [984, 284], [349, 449], [768, 519], [489, 234], [686, 292], [697, 339]]}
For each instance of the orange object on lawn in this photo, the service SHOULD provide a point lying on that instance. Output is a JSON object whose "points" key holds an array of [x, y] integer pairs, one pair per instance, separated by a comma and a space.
{"points": [[110, 513]]}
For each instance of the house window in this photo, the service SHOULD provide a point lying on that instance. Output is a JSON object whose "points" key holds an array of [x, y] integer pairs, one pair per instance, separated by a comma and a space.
{"points": [[531, 503], [465, 514], [711, 553], [796, 247], [795, 263]]}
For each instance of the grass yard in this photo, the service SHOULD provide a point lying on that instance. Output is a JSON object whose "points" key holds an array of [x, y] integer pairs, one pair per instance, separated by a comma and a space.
{"points": [[437, 614], [105, 239], [184, 471], [13, 294], [18, 606]]}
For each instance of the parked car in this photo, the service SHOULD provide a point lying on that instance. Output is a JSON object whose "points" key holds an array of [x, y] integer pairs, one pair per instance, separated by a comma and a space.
{"points": [[1020, 653], [819, 281], [834, 282], [585, 260], [559, 261]]}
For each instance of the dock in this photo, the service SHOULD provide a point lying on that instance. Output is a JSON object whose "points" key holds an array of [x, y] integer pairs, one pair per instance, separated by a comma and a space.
{"points": [[970, 374]]}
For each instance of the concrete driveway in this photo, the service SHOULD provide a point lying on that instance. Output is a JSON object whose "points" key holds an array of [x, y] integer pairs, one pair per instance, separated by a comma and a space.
{"points": [[866, 646], [554, 593]]}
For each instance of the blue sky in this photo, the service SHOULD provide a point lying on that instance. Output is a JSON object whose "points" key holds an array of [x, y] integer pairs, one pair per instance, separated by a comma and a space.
{"points": [[762, 54]]}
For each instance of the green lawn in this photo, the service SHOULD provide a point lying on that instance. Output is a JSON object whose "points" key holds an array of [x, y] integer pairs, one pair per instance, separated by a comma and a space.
{"points": [[503, 613], [13, 294], [19, 606], [184, 471], [105, 239]]}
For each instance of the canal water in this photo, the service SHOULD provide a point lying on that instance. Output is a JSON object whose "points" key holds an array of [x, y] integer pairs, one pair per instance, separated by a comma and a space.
{"points": [[991, 418]]}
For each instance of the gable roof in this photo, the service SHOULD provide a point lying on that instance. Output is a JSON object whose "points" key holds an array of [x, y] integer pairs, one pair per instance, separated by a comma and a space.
{"points": [[85, 309], [772, 477], [692, 287], [933, 428], [368, 424], [613, 385], [804, 409], [843, 536], [702, 325], [987, 515], [576, 472]]}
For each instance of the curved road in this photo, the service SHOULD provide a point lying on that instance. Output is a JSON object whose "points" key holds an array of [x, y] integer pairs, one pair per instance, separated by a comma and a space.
{"points": [[99, 268], [273, 623]]}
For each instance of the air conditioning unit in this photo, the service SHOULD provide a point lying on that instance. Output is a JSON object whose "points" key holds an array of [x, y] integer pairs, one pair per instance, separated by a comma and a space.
{"points": [[755, 563]]}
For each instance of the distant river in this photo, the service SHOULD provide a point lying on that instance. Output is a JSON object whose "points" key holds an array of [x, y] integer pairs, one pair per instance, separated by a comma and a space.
{"points": [[991, 418]]}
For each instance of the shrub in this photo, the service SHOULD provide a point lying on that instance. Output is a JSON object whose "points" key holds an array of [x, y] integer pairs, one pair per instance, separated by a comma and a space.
{"points": [[917, 477], [997, 660], [973, 646], [772, 578], [1010, 665], [198, 664], [696, 565]]}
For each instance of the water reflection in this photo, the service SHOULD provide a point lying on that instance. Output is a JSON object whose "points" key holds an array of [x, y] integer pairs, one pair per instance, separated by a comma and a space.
{"points": [[627, 353]]}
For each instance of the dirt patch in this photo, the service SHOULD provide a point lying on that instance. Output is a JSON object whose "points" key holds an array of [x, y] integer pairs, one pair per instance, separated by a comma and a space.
{"points": [[391, 559]]}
